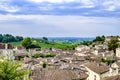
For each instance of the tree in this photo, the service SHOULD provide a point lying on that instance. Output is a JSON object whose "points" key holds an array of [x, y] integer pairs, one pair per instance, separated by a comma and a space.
{"points": [[1, 37], [86, 43], [44, 65], [26, 42], [45, 38], [113, 44], [9, 70], [18, 38], [9, 38], [99, 38], [108, 61]]}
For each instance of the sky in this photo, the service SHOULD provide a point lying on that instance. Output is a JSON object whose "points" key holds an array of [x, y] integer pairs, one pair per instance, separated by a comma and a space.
{"points": [[60, 18]]}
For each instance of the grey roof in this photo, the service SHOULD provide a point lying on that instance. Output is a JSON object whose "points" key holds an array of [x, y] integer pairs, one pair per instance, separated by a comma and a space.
{"points": [[97, 67]]}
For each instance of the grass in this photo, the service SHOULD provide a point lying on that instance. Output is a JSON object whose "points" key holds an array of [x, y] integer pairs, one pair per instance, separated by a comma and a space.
{"points": [[57, 45], [49, 45], [16, 44]]}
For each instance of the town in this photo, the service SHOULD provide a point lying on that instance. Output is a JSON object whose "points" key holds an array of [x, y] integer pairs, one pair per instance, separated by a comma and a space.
{"points": [[99, 60]]}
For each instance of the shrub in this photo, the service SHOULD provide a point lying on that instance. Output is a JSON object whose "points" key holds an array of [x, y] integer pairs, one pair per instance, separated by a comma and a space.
{"points": [[44, 65], [36, 55]]}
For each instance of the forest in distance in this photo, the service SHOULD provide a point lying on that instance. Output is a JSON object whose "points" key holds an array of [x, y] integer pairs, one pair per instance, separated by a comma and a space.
{"points": [[5, 38], [64, 43]]}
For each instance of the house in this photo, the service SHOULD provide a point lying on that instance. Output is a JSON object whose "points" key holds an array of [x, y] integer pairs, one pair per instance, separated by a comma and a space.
{"points": [[6, 46], [20, 49], [96, 71], [118, 52], [57, 74], [100, 46], [77, 59], [107, 54], [108, 38], [115, 68], [82, 48], [31, 61], [19, 56], [105, 45], [117, 77], [6, 50], [83, 54], [98, 51], [33, 51]]}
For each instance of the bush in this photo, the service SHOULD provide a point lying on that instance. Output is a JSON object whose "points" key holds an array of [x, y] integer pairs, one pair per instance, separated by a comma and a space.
{"points": [[38, 49], [43, 55], [44, 65], [108, 61], [49, 55], [36, 55], [9, 70]]}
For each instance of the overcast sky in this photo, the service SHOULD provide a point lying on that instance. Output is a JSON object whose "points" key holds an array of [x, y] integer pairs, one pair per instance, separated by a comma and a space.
{"points": [[60, 18]]}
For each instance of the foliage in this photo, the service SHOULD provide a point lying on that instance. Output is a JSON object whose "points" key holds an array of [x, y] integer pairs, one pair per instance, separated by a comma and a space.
{"points": [[113, 44], [9, 38], [38, 49], [86, 43], [108, 61], [44, 65], [16, 44], [26, 42], [9, 70], [51, 44], [44, 38], [41, 40], [99, 39], [34, 46], [44, 43], [43, 55], [49, 55], [36, 55]]}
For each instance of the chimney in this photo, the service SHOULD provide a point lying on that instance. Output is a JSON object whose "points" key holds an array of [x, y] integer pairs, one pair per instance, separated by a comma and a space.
{"points": [[6, 46]]}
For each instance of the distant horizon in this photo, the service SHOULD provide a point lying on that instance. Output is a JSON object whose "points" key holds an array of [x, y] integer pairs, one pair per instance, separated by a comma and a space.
{"points": [[59, 36]]}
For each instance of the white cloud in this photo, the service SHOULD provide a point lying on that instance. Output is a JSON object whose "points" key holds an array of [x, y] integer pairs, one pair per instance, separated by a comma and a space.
{"points": [[111, 8], [111, 5], [49, 25], [10, 9], [52, 1], [5, 6], [61, 7]]}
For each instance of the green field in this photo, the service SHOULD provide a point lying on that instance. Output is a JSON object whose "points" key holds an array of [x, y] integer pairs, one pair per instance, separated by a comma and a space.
{"points": [[16, 44], [49, 45], [58, 45]]}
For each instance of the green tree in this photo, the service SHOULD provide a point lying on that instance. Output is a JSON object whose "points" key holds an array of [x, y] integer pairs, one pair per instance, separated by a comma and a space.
{"points": [[18, 38], [9, 38], [9, 70], [44, 65], [99, 38], [86, 43], [1, 37], [26, 42], [108, 61], [113, 44], [45, 38]]}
